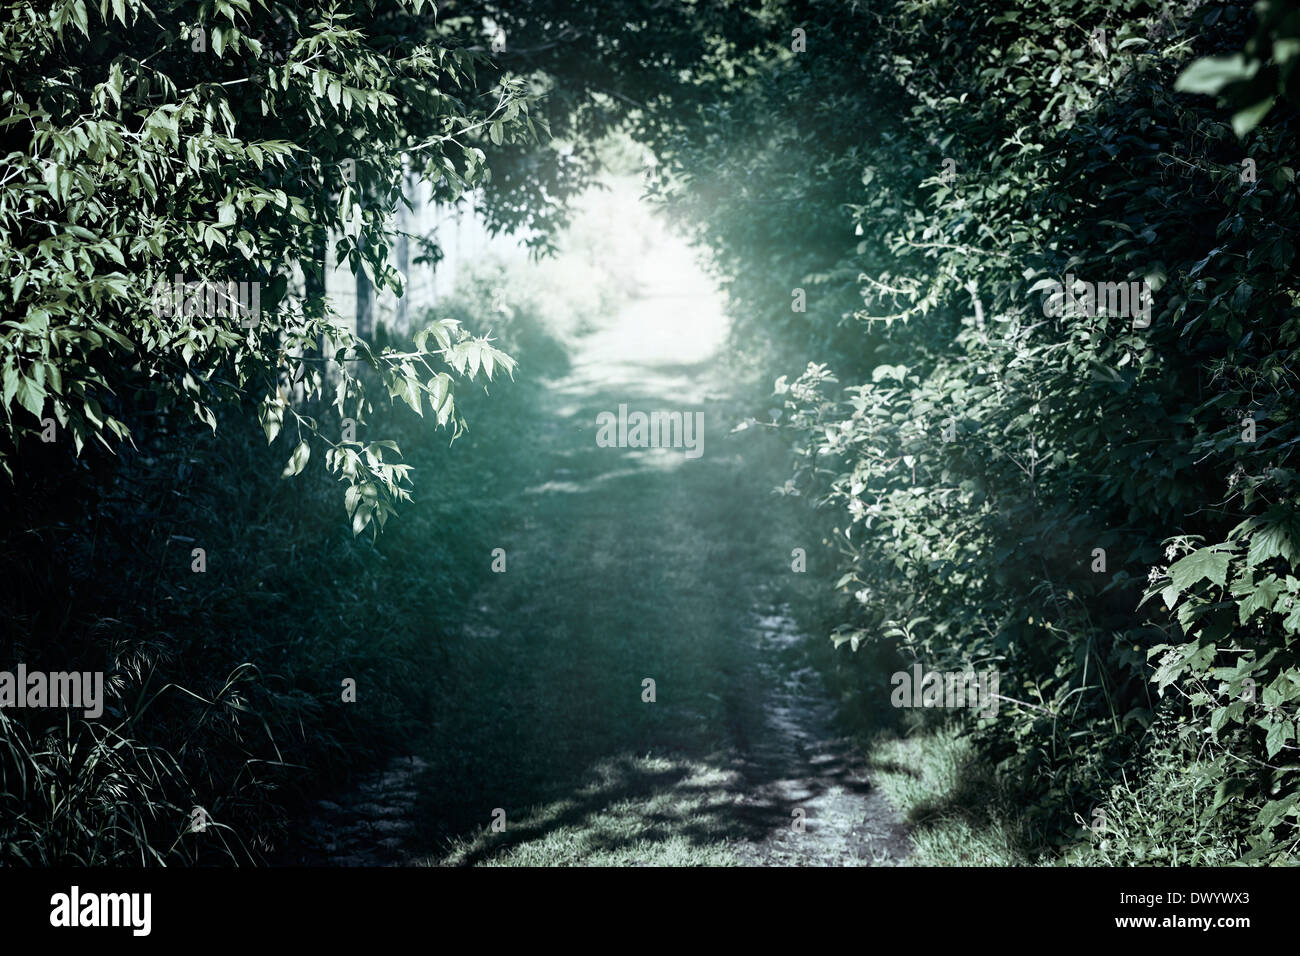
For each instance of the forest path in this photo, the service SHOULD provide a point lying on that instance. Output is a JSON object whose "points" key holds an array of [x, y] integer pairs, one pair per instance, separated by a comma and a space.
{"points": [[627, 564]]}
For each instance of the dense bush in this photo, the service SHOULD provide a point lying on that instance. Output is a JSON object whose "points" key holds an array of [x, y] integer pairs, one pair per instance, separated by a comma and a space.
{"points": [[981, 448], [234, 141], [898, 196], [221, 142], [208, 144]]}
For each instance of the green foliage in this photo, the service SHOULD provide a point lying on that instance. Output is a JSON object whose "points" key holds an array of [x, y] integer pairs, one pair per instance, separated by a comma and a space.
{"points": [[226, 141], [223, 689], [1253, 80], [927, 172], [235, 141], [975, 445], [221, 142]]}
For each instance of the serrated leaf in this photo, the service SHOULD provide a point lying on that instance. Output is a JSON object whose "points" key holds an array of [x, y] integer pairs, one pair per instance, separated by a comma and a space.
{"points": [[1275, 810], [1279, 732], [31, 396], [1199, 565], [1261, 597]]}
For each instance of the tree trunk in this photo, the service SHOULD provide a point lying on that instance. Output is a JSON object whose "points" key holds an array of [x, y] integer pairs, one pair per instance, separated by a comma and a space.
{"points": [[314, 276], [365, 307], [403, 251]]}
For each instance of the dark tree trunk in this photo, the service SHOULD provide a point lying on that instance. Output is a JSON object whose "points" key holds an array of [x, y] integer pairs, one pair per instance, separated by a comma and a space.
{"points": [[314, 276], [403, 251], [365, 307]]}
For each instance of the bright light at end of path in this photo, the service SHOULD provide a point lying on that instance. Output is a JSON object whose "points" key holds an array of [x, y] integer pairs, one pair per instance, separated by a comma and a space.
{"points": [[675, 315]]}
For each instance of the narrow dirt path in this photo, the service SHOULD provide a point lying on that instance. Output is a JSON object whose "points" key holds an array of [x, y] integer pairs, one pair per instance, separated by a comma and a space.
{"points": [[629, 564], [798, 759]]}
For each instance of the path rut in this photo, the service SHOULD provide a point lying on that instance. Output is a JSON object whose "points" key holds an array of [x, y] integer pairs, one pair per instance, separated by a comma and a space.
{"points": [[771, 779]]}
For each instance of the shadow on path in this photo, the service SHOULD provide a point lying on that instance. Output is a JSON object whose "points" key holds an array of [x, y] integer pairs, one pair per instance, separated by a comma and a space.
{"points": [[627, 565]]}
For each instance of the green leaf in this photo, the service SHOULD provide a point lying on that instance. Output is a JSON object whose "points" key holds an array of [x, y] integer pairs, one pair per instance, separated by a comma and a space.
{"points": [[1243, 121], [297, 461], [1262, 595], [1273, 535], [1291, 623], [11, 380], [439, 390], [1201, 564], [1279, 732], [1275, 810], [272, 416], [1170, 596], [896, 372], [409, 389], [31, 396], [1227, 790], [1212, 73], [79, 17]]}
